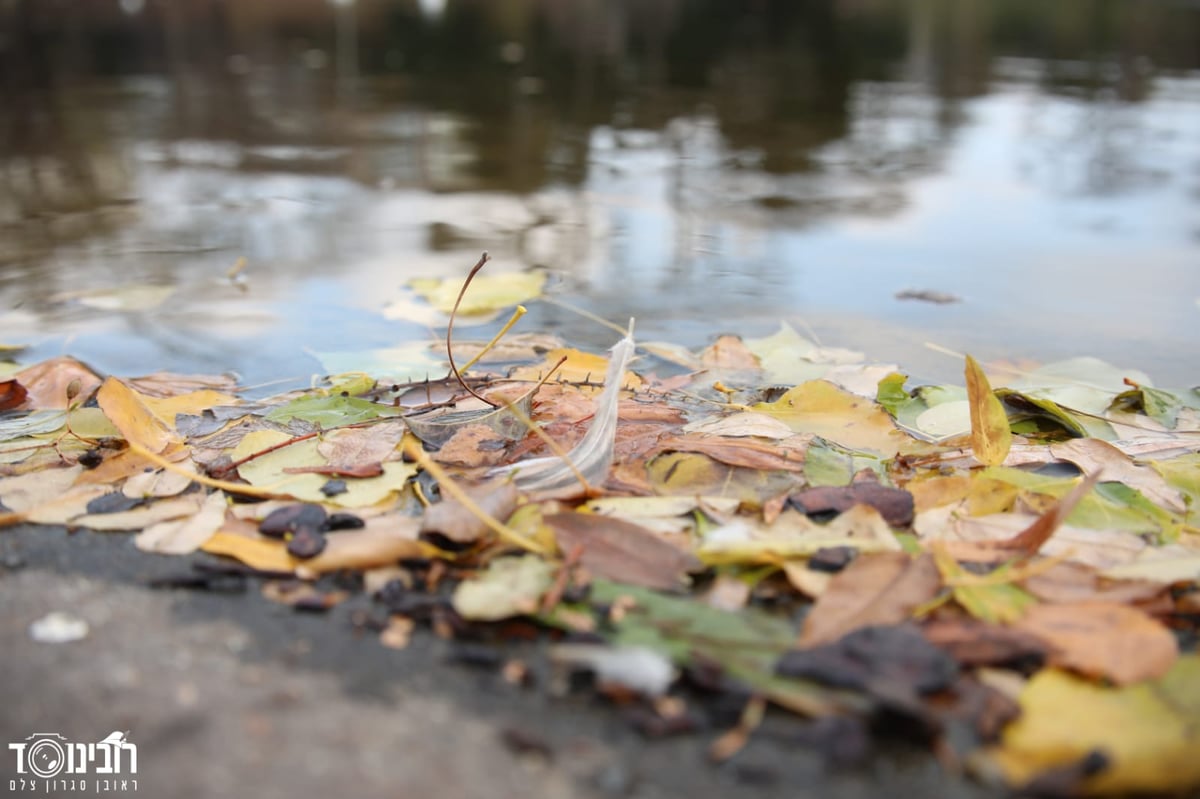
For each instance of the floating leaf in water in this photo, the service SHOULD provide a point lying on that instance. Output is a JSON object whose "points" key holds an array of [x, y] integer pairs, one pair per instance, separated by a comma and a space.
{"points": [[489, 292]]}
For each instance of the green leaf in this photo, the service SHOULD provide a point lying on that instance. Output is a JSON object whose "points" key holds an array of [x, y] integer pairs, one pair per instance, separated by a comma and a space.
{"points": [[331, 411], [746, 644], [509, 587]]}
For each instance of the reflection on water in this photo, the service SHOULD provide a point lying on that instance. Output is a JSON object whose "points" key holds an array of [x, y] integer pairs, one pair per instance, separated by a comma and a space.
{"points": [[703, 165]]}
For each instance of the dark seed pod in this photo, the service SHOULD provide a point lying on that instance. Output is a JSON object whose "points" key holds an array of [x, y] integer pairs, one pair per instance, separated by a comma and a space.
{"points": [[291, 518], [344, 521], [306, 542]]}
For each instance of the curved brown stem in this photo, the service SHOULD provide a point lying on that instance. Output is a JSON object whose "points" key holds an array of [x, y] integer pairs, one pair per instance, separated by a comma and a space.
{"points": [[483, 259]]}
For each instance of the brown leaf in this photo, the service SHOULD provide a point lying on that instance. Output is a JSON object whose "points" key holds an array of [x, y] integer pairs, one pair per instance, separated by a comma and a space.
{"points": [[975, 643], [895, 505], [472, 446], [361, 451], [728, 352], [1103, 639], [450, 524], [48, 383], [1030, 540], [876, 588], [12, 394], [619, 550], [161, 385], [1094, 455], [1072, 582], [748, 452]]}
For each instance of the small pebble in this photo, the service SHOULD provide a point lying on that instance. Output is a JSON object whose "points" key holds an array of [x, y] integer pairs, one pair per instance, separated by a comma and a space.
{"points": [[58, 628]]}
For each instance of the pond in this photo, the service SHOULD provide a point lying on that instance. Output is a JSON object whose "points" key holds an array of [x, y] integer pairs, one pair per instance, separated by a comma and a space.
{"points": [[1020, 181]]}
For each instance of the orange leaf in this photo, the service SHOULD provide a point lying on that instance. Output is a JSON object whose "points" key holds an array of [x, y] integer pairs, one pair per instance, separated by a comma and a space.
{"points": [[1103, 639]]}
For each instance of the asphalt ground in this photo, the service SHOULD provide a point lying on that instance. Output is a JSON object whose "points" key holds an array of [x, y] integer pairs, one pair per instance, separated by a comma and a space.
{"points": [[226, 693]]}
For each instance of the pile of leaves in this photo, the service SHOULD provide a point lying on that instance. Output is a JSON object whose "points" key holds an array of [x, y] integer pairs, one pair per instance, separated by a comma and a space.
{"points": [[1011, 575]]}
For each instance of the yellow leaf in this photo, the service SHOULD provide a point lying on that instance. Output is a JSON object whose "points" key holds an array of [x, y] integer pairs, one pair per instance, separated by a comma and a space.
{"points": [[486, 293], [991, 437], [1147, 731], [128, 410], [578, 367], [192, 403], [847, 419], [257, 553]]}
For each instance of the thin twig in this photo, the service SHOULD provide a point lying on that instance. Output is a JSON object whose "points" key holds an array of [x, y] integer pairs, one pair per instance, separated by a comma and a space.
{"points": [[483, 259]]}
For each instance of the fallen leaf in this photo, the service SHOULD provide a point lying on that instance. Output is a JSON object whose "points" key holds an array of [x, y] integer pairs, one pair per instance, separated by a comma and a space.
{"points": [[892, 662], [991, 437], [127, 409], [876, 588], [450, 524], [1103, 639], [728, 352], [619, 550], [894, 504], [353, 549], [48, 382], [855, 422], [1092, 455], [488, 292], [975, 643], [1146, 732], [187, 535], [993, 598], [742, 424], [761, 455], [510, 586], [1073, 582], [12, 395]]}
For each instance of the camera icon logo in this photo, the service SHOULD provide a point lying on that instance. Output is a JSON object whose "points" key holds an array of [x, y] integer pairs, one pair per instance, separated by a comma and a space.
{"points": [[45, 754]]}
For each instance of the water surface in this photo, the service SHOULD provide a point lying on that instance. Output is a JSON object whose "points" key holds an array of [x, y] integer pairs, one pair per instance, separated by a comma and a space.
{"points": [[702, 166]]}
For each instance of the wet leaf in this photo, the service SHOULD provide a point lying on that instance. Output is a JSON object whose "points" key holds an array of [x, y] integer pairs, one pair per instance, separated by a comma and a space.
{"points": [[488, 292], [50, 382], [990, 435], [331, 411], [1147, 732], [131, 298]]}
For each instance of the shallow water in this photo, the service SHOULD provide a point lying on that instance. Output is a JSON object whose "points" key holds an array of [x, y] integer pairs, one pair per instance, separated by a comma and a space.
{"points": [[697, 166]]}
